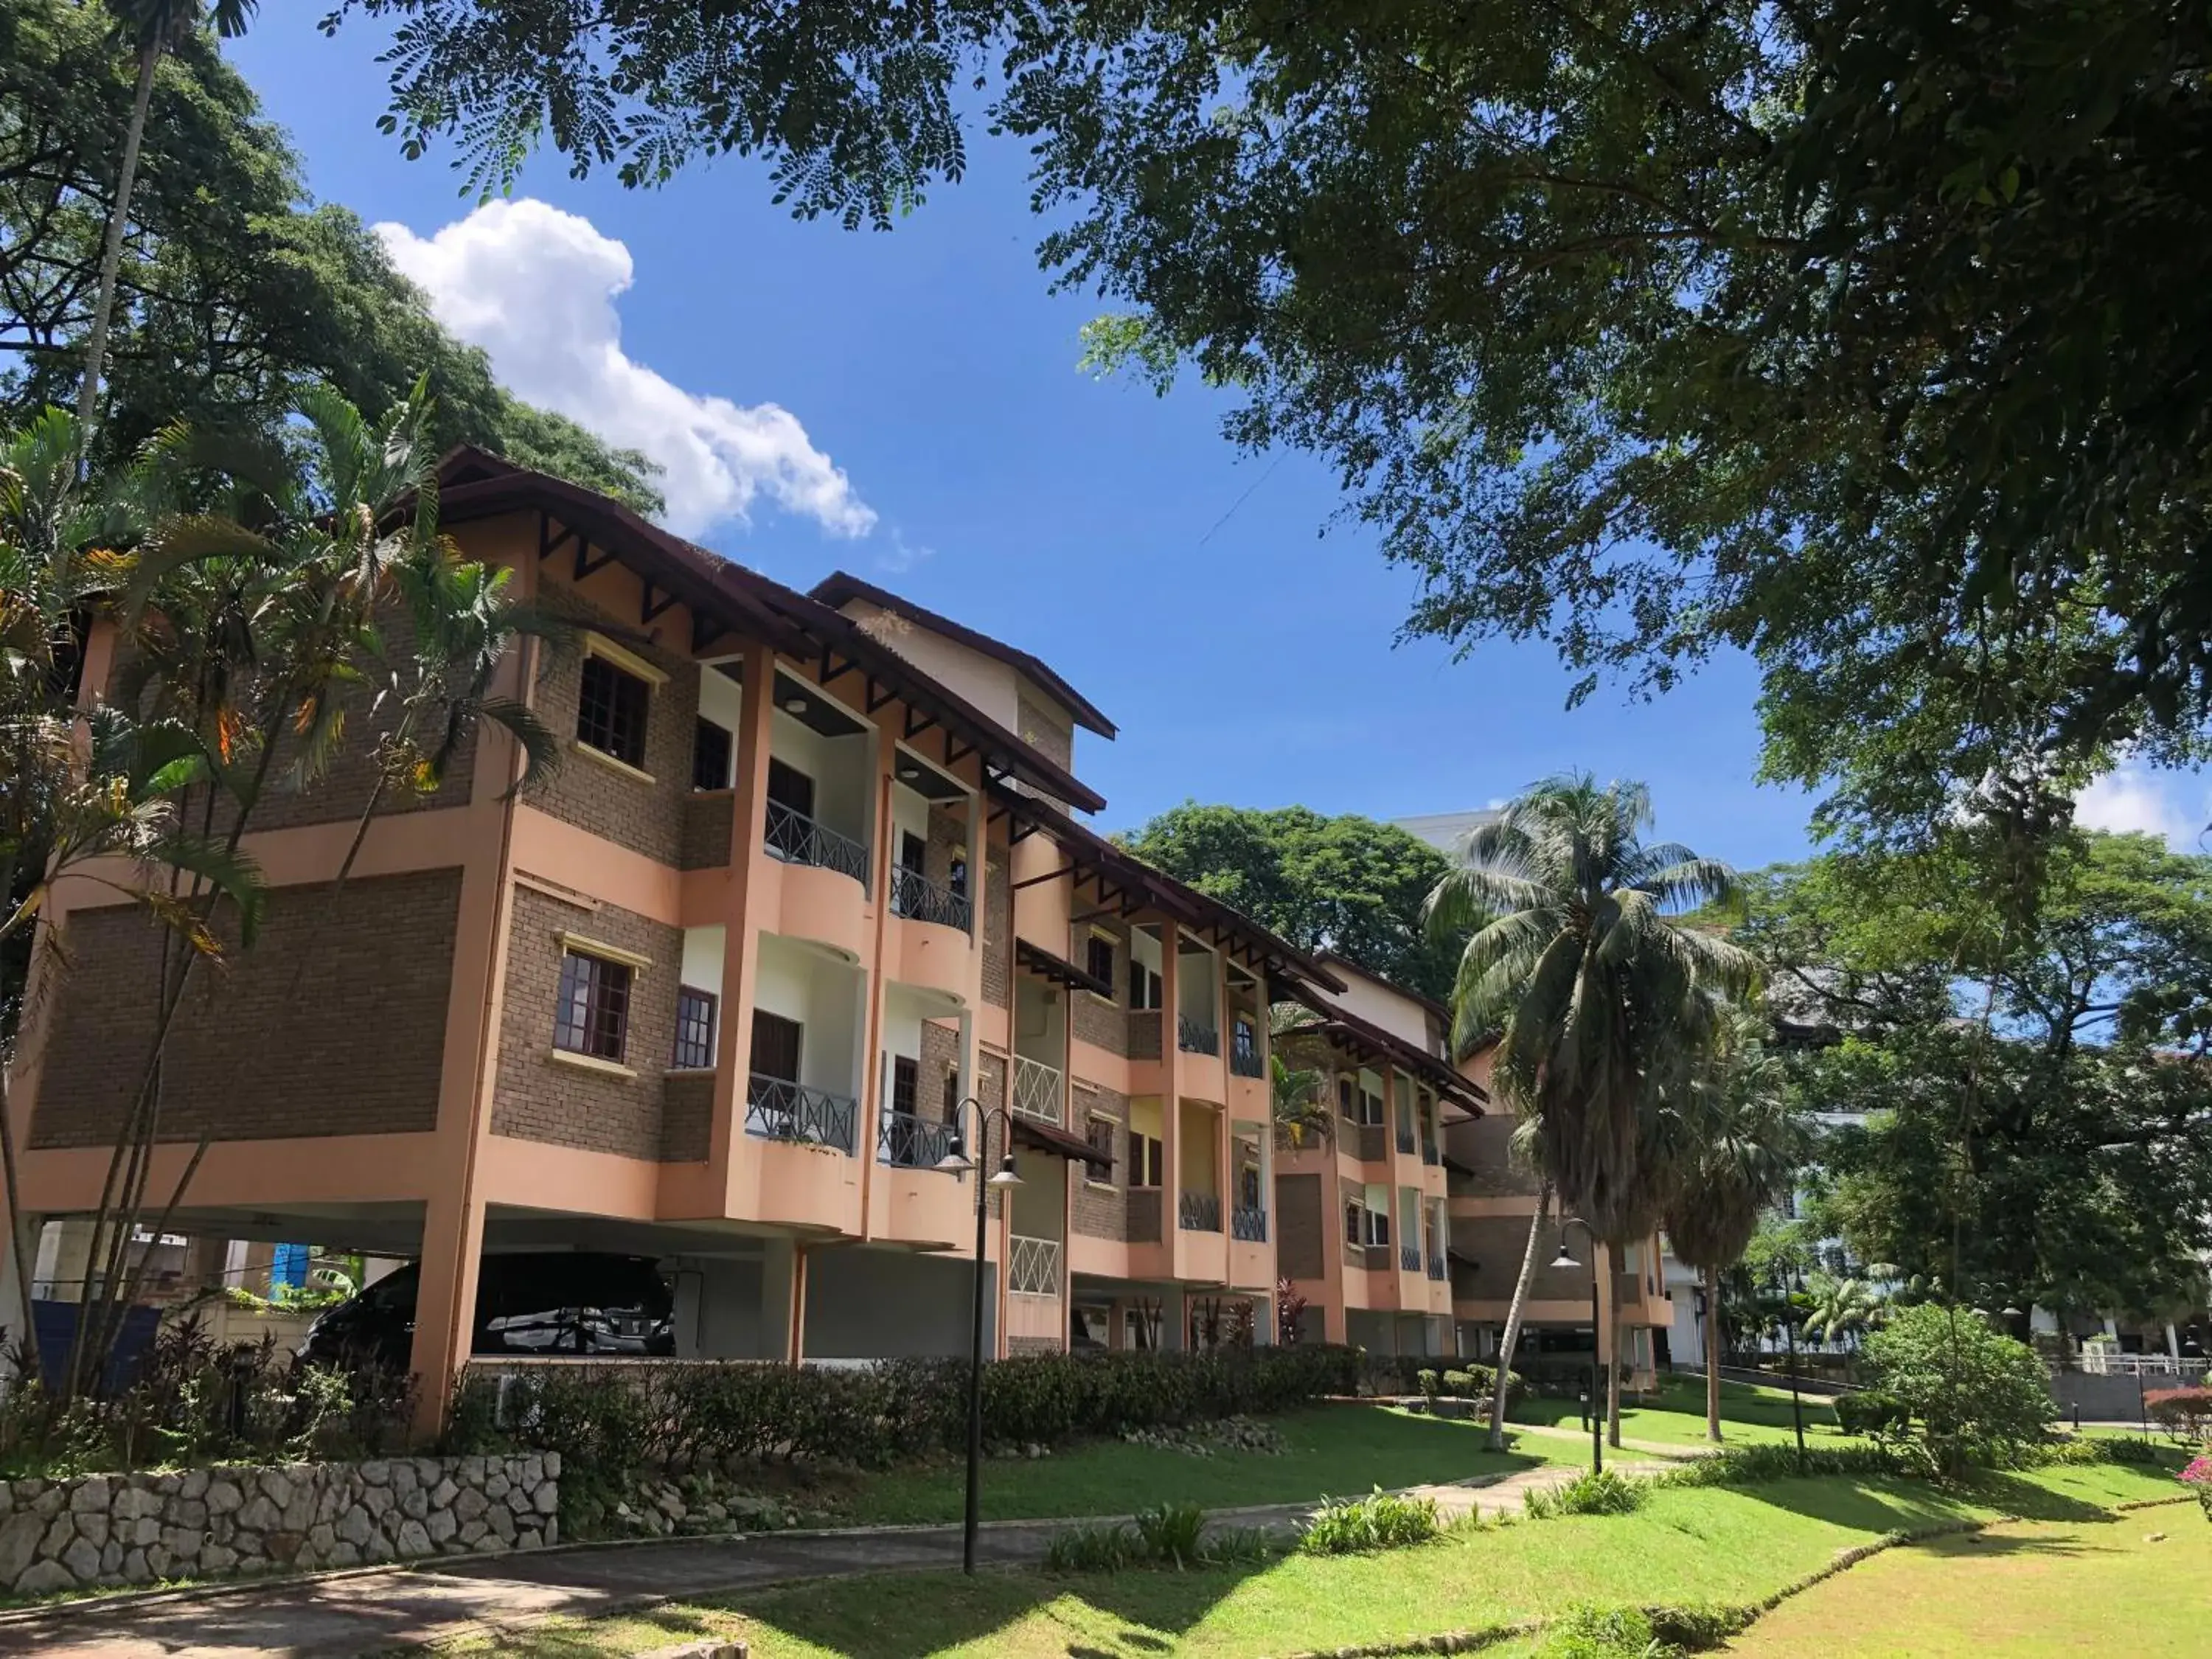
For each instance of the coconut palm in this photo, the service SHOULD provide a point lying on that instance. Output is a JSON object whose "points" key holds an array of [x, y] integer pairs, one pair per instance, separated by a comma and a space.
{"points": [[1598, 995], [151, 28], [1843, 1309], [1743, 1144]]}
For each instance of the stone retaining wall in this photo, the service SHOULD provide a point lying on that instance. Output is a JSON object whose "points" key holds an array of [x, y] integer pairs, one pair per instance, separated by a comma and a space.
{"points": [[203, 1524]]}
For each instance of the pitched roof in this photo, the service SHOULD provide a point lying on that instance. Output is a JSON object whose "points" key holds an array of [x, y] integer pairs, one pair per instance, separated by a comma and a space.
{"points": [[1088, 850], [1349, 1032], [475, 483], [840, 587]]}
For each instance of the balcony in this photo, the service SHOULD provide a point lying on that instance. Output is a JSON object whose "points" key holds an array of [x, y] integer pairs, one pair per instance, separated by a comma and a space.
{"points": [[1436, 1265], [778, 1110], [1405, 1142], [1244, 1059], [795, 838], [1199, 1212], [1409, 1258], [1033, 1266], [1249, 1222], [914, 896], [1430, 1156], [1037, 1091], [908, 1142], [1195, 1037]]}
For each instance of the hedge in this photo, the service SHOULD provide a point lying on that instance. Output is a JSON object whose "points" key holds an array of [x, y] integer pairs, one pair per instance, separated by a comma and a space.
{"points": [[706, 1414]]}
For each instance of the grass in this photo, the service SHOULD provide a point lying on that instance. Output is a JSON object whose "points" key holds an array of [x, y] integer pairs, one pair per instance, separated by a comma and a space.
{"points": [[2039, 1589], [1342, 1450], [1705, 1545], [1676, 1416]]}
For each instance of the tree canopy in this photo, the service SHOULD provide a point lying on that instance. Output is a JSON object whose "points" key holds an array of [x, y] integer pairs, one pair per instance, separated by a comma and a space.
{"points": [[235, 294], [1345, 884], [1856, 334]]}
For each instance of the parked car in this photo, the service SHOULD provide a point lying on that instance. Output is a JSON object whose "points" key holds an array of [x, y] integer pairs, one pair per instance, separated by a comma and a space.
{"points": [[539, 1303]]}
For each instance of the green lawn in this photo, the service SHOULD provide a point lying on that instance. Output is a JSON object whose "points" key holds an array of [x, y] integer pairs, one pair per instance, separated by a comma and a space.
{"points": [[1677, 1415], [1333, 1450], [1687, 1545]]}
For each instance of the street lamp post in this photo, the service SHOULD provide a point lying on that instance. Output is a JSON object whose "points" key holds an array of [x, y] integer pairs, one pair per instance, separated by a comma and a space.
{"points": [[957, 1162], [1598, 1354], [1790, 1334]]}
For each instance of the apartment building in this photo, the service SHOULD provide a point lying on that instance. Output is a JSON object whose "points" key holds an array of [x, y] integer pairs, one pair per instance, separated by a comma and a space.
{"points": [[1492, 1201], [807, 878], [1361, 1190]]}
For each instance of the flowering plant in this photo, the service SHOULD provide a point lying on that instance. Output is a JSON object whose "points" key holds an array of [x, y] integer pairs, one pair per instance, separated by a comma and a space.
{"points": [[2198, 1475]]}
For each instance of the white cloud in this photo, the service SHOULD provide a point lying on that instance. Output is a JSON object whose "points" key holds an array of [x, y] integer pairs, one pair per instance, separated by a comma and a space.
{"points": [[536, 289], [901, 555], [2133, 798]]}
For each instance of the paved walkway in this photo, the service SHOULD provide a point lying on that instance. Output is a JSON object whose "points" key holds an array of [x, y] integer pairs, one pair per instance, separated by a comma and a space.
{"points": [[338, 1615]]}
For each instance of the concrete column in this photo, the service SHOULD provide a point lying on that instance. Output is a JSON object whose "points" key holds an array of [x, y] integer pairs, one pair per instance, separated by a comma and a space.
{"points": [[740, 936], [445, 1298], [778, 1274], [794, 1350]]}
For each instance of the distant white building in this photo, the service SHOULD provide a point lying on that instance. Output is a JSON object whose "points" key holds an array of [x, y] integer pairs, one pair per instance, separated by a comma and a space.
{"points": [[1445, 830]]}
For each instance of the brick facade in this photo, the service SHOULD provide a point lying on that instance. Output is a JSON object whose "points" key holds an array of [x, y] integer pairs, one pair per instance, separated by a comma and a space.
{"points": [[542, 1098], [940, 1053], [1495, 1244], [1048, 731], [1301, 1227], [1144, 1034], [948, 840], [1144, 1220], [1102, 1208], [1101, 1023], [333, 1023], [1484, 1145], [998, 929], [646, 817], [706, 830], [687, 1116]]}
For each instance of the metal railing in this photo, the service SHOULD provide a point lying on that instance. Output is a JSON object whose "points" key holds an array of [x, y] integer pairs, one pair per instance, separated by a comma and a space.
{"points": [[1199, 1212], [1436, 1265], [2108, 1362], [1033, 1266], [1195, 1038], [1037, 1093], [1249, 1223], [1405, 1141], [779, 1110], [1409, 1258], [913, 1143], [792, 837], [916, 896], [1244, 1051]]}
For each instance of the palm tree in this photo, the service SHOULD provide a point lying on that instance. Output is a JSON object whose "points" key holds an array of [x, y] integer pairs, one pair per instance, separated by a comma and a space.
{"points": [[1598, 996], [1841, 1309], [1298, 1092], [1745, 1146], [152, 28]]}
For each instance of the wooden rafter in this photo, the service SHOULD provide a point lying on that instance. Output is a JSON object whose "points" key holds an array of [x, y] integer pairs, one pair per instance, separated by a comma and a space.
{"points": [[548, 543], [705, 631], [653, 604], [586, 564], [878, 697], [915, 727]]}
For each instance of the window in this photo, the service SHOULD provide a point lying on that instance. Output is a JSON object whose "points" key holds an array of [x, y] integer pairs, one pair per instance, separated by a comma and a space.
{"points": [[1378, 1229], [593, 1017], [1098, 958], [695, 1028], [1100, 1132], [1147, 1164], [1247, 1187], [1355, 1222], [711, 746], [610, 711], [951, 1094], [1370, 1107], [956, 878], [1145, 985], [775, 1046], [906, 1085], [1344, 1099]]}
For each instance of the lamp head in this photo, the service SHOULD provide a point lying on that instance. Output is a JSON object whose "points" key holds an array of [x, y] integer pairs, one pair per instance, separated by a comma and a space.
{"points": [[955, 1161], [1563, 1260], [1006, 1176]]}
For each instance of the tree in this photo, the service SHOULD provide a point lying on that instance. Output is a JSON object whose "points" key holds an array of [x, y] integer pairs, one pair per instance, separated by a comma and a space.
{"points": [[1599, 996], [1345, 884], [1743, 1147], [1854, 334], [1973, 1393], [233, 296]]}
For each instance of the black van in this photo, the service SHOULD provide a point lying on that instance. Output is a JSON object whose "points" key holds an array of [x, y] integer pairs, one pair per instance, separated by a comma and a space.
{"points": [[539, 1303]]}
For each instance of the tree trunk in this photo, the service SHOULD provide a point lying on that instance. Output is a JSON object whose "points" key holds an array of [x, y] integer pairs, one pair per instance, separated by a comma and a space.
{"points": [[1613, 1355], [1713, 1355], [1513, 1320], [111, 257]]}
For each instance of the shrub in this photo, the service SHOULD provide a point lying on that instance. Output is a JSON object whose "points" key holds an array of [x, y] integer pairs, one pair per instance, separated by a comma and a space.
{"points": [[1462, 1385], [1974, 1394], [1175, 1535], [1593, 1492], [2198, 1477], [1380, 1521], [1871, 1411], [1107, 1547], [2123, 1448], [1589, 1632], [1427, 1382], [1171, 1532], [2185, 1413], [1756, 1465]]}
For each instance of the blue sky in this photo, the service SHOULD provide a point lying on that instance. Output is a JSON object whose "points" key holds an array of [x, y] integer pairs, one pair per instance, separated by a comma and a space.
{"points": [[931, 400]]}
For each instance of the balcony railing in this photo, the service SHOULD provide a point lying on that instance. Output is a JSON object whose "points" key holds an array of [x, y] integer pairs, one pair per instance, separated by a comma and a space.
{"points": [[1033, 1266], [1409, 1258], [1037, 1093], [1405, 1141], [1249, 1223], [792, 837], [915, 895], [913, 1143], [778, 1110], [1199, 1212], [1196, 1037], [1430, 1154], [1436, 1265], [1244, 1051]]}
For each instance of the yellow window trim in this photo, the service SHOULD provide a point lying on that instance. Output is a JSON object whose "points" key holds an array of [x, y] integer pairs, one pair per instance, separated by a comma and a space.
{"points": [[589, 1063], [598, 645], [636, 773], [591, 947]]}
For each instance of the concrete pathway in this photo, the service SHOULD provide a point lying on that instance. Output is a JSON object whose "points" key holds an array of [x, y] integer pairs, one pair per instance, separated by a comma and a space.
{"points": [[337, 1615]]}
